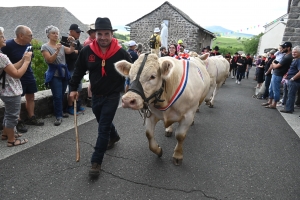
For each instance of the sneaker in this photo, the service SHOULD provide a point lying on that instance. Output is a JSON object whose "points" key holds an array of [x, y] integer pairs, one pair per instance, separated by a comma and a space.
{"points": [[95, 169], [34, 121], [58, 121], [280, 105], [89, 102], [21, 127], [112, 142], [70, 110], [232, 77], [236, 81], [65, 115], [80, 109], [239, 82], [286, 111]]}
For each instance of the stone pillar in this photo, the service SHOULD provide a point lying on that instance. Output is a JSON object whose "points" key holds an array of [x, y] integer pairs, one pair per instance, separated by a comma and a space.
{"points": [[292, 30]]}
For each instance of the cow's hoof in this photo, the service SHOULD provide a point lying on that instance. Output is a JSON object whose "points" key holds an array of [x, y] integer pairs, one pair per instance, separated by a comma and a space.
{"points": [[168, 134], [177, 162], [211, 105], [197, 110], [161, 152], [193, 123]]}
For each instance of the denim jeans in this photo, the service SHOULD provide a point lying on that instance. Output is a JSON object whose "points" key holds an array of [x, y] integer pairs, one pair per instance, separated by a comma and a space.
{"points": [[234, 71], [293, 87], [267, 85], [274, 89], [58, 87], [285, 93], [239, 75], [104, 108], [247, 73]]}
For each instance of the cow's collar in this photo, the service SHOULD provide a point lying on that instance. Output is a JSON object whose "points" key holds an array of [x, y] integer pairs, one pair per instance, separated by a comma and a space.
{"points": [[136, 87], [180, 88]]}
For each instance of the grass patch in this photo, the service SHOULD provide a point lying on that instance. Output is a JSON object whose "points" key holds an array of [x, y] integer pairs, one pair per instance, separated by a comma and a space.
{"points": [[229, 42]]}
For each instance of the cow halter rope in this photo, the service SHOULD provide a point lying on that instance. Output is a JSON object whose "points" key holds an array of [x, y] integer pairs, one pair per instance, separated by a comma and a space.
{"points": [[136, 87]]}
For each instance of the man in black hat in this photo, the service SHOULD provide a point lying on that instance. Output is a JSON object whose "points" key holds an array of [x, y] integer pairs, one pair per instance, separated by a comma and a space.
{"points": [[106, 84], [74, 31], [280, 69], [215, 51]]}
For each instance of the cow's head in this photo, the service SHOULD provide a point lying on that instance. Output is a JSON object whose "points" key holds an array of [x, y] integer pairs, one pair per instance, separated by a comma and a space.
{"points": [[146, 78]]}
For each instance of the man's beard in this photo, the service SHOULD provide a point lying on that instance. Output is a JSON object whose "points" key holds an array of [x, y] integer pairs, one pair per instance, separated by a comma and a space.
{"points": [[285, 51]]}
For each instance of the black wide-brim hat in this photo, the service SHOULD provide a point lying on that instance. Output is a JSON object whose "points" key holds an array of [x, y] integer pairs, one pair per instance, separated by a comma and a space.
{"points": [[103, 24]]}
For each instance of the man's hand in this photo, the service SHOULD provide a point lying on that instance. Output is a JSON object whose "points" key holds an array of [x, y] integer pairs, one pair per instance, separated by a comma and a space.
{"points": [[73, 95]]}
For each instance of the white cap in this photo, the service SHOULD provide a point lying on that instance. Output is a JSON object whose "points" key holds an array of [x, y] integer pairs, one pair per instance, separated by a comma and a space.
{"points": [[131, 43], [156, 30]]}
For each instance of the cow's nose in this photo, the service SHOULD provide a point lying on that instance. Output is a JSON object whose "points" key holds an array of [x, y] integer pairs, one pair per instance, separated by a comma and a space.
{"points": [[132, 102], [128, 103]]}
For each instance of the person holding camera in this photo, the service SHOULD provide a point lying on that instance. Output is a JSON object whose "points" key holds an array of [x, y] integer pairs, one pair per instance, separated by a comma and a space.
{"points": [[70, 60], [14, 50], [10, 93], [57, 74]]}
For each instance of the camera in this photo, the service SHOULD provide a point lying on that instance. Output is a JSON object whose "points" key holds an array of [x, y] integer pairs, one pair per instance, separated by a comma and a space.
{"points": [[276, 62], [29, 49], [64, 41]]}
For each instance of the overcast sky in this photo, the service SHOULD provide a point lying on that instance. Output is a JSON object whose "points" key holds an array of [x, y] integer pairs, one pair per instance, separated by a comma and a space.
{"points": [[231, 14]]}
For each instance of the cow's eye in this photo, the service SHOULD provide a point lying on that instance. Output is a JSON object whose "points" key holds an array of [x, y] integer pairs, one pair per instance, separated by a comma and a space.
{"points": [[152, 77]]}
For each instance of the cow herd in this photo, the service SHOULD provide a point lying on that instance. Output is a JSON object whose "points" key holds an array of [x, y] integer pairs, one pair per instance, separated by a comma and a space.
{"points": [[172, 90]]}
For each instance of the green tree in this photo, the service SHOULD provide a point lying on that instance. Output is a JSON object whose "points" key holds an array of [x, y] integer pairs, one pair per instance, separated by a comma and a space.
{"points": [[38, 65], [251, 45]]}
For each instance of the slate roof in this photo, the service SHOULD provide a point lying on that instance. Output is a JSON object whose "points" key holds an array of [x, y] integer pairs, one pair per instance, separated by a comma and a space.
{"points": [[276, 20], [185, 16], [37, 18]]}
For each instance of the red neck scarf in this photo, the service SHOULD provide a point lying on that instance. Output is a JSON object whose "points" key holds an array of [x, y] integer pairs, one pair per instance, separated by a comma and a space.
{"points": [[111, 50]]}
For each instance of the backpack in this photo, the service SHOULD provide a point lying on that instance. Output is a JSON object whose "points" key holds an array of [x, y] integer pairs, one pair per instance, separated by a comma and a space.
{"points": [[152, 41]]}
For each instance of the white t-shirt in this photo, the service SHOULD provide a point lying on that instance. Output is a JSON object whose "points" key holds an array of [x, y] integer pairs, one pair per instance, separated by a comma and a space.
{"points": [[279, 55], [13, 86]]}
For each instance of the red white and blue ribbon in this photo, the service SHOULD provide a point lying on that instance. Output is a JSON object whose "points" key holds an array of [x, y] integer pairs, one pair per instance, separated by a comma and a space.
{"points": [[181, 87]]}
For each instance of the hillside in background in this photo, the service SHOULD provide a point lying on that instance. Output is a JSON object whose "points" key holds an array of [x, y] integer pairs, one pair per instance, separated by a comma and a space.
{"points": [[121, 29], [229, 44], [218, 30]]}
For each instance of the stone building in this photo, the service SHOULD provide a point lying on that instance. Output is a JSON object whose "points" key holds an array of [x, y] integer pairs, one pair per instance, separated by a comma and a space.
{"points": [[292, 30], [180, 26]]}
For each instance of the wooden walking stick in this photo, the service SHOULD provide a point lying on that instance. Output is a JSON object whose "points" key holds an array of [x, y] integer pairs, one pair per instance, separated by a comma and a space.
{"points": [[76, 132]]}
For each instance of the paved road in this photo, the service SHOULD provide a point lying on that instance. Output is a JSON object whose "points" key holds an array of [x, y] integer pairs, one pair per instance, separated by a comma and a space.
{"points": [[236, 150]]}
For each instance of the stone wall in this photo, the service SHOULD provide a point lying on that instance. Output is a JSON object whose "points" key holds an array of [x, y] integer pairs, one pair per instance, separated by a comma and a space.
{"points": [[179, 28], [292, 30], [43, 104]]}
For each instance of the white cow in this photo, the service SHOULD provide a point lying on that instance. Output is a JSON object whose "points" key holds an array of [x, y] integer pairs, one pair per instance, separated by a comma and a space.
{"points": [[218, 69], [165, 89]]}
